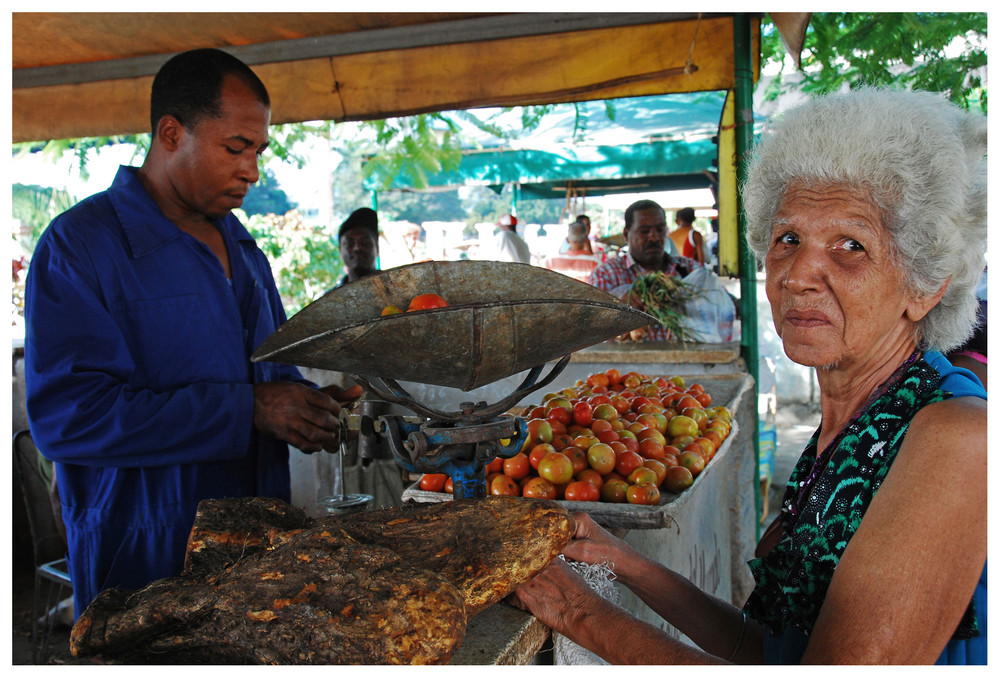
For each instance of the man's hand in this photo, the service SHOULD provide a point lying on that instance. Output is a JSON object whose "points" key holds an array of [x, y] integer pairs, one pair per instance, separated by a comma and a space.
{"points": [[305, 417]]}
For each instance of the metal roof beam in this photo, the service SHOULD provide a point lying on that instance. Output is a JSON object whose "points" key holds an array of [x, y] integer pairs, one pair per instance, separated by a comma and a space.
{"points": [[477, 29]]}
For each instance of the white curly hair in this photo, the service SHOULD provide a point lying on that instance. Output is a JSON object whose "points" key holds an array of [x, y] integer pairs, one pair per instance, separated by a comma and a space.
{"points": [[920, 158]]}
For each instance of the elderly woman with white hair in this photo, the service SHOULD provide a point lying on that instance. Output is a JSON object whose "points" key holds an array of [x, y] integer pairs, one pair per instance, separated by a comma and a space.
{"points": [[868, 210]]}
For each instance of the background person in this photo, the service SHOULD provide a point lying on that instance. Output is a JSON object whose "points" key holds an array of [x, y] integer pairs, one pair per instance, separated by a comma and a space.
{"points": [[646, 236], [577, 261], [358, 241], [686, 238], [143, 306], [872, 239], [507, 245]]}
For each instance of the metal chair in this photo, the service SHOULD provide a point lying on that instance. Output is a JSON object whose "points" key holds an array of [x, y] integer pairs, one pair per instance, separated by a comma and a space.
{"points": [[48, 543]]}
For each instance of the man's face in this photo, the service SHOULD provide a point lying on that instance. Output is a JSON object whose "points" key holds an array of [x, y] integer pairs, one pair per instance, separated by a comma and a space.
{"points": [[646, 237], [359, 251], [215, 162]]}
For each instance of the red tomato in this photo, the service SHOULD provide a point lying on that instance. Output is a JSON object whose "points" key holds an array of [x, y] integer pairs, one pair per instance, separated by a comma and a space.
{"points": [[503, 485], [628, 462], [449, 486], [495, 466], [433, 482], [581, 490], [516, 467], [591, 476], [539, 488], [613, 491], [644, 493], [559, 414], [538, 453], [658, 467], [578, 457], [422, 302], [583, 413]]}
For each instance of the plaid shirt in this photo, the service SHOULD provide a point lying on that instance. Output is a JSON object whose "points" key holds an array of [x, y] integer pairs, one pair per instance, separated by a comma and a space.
{"points": [[623, 270]]}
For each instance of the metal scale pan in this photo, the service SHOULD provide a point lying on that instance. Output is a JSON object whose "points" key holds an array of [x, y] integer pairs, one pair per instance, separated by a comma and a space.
{"points": [[502, 319]]}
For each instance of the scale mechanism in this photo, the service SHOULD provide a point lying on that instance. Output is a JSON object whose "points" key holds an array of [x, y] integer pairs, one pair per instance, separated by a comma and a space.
{"points": [[496, 326]]}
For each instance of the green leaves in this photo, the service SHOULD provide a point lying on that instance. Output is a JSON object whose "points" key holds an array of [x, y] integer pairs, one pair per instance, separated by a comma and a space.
{"points": [[933, 51]]}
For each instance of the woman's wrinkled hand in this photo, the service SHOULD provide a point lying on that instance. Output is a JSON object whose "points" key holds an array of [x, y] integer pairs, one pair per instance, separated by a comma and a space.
{"points": [[591, 543]]}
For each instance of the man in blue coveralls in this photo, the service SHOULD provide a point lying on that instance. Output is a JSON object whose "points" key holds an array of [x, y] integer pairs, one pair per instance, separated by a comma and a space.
{"points": [[143, 306]]}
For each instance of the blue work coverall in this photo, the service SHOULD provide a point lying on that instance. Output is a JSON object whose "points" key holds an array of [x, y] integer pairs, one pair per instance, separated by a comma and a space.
{"points": [[139, 381]]}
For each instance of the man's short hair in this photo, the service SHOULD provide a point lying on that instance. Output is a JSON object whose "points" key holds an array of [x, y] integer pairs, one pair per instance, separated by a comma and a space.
{"points": [[638, 206], [686, 215], [577, 232], [363, 217], [189, 86]]}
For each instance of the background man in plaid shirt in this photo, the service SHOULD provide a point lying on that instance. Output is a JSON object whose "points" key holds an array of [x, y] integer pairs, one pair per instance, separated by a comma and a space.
{"points": [[646, 235]]}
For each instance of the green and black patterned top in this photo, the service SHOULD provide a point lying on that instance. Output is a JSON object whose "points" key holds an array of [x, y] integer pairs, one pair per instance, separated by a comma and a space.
{"points": [[793, 577]]}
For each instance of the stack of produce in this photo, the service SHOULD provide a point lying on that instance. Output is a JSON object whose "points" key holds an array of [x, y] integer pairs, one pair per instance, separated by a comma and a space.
{"points": [[613, 438]]}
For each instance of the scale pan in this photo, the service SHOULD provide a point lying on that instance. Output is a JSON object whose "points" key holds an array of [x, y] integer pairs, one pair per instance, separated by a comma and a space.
{"points": [[502, 319]]}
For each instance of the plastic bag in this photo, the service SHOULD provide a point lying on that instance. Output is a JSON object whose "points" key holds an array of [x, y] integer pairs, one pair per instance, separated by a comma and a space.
{"points": [[711, 314]]}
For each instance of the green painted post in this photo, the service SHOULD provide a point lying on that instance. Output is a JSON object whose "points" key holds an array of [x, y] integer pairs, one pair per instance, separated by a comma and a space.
{"points": [[743, 63]]}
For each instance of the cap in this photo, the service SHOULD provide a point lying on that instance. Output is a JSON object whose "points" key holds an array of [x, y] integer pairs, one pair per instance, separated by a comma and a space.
{"points": [[507, 220], [363, 217]]}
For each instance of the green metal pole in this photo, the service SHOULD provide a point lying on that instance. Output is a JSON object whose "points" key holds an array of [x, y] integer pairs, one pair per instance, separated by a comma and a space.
{"points": [[743, 63], [375, 200]]}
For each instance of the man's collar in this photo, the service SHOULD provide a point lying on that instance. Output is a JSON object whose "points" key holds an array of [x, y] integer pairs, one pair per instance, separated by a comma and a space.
{"points": [[146, 227]]}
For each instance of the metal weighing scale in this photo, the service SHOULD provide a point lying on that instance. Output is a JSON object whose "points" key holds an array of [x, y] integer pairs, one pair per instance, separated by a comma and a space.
{"points": [[502, 319]]}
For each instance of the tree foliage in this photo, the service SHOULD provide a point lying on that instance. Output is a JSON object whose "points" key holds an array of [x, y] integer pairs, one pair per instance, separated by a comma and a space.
{"points": [[933, 51]]}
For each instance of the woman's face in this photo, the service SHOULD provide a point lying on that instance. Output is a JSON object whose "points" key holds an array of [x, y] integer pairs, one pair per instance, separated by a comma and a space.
{"points": [[837, 298]]}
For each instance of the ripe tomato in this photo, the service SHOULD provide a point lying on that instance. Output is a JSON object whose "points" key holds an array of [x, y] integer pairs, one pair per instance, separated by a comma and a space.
{"points": [[602, 458], [692, 461], [645, 494], [583, 413], [556, 468], [658, 467], [538, 452], [516, 467], [578, 457], [503, 485], [599, 379], [495, 466], [613, 491], [540, 431], [677, 479], [651, 449], [561, 415], [433, 482], [561, 441], [581, 490], [614, 377], [422, 302], [608, 436], [539, 488], [628, 462], [449, 486], [600, 425], [642, 474], [591, 476]]}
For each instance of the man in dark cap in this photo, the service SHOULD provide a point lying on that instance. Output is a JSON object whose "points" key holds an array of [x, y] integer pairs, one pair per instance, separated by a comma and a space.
{"points": [[358, 238]]}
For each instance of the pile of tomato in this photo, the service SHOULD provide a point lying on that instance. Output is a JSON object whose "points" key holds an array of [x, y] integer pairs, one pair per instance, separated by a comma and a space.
{"points": [[613, 438]]}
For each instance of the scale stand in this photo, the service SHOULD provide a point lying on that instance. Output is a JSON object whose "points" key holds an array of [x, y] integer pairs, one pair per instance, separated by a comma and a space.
{"points": [[344, 503], [458, 444]]}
